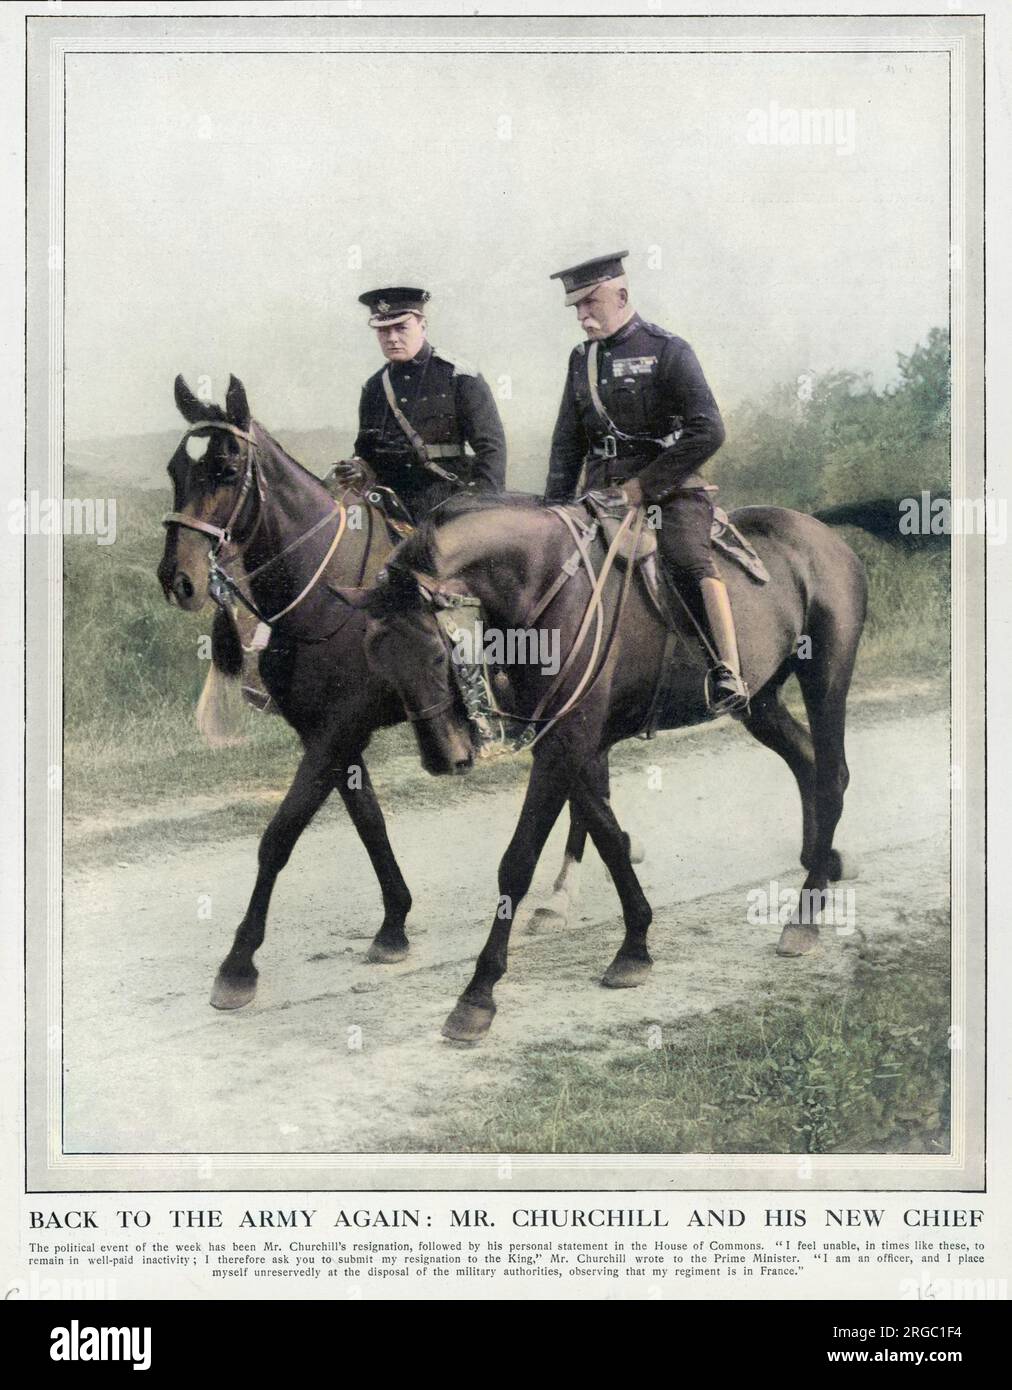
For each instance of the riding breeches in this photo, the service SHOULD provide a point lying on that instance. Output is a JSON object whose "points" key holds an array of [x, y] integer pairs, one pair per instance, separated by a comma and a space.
{"points": [[683, 536]]}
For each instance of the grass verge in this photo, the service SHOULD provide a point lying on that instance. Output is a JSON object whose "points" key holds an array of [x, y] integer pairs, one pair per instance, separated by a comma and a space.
{"points": [[863, 1071]]}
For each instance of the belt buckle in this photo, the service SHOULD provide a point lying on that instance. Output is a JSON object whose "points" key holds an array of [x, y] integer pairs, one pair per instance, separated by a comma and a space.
{"points": [[610, 446]]}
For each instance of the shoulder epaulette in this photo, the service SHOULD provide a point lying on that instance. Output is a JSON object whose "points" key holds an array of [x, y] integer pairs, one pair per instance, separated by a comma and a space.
{"points": [[656, 331], [460, 366]]}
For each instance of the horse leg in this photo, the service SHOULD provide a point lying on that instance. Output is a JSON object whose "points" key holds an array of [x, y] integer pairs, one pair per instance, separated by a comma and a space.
{"points": [[631, 965], [775, 727], [566, 889], [390, 943], [236, 981], [825, 701], [546, 795]]}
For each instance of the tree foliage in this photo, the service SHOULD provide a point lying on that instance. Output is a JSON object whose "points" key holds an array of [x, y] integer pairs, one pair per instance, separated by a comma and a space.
{"points": [[835, 438]]}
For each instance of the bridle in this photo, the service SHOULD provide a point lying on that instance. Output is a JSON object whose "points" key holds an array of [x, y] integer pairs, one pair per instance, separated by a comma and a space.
{"points": [[221, 584], [423, 716], [435, 598]]}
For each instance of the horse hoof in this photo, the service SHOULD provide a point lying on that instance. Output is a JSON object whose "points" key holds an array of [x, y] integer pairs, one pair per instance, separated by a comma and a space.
{"points": [[797, 940], [637, 851], [626, 973], [379, 953], [843, 866], [553, 915], [469, 1022], [546, 919], [231, 993]]}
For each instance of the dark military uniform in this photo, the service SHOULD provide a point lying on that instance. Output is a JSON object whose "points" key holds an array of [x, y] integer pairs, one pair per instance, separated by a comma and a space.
{"points": [[662, 425], [449, 405], [636, 404]]}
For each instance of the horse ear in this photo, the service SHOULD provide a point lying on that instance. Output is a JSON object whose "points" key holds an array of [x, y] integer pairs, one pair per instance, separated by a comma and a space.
{"points": [[404, 589], [189, 406], [236, 403]]}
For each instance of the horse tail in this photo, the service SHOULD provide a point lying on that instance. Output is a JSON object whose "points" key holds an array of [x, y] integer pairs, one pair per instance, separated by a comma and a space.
{"points": [[220, 709], [879, 517]]}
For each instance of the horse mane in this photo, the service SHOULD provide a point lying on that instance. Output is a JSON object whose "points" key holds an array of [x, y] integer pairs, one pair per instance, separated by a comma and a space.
{"points": [[418, 552], [283, 453], [482, 501]]}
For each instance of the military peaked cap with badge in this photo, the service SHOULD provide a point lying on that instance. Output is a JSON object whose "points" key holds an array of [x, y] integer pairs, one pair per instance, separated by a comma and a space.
{"points": [[634, 404], [580, 280], [393, 305], [430, 424]]}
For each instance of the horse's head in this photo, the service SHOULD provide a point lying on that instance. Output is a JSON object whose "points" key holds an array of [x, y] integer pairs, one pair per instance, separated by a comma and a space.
{"points": [[409, 650], [214, 492]]}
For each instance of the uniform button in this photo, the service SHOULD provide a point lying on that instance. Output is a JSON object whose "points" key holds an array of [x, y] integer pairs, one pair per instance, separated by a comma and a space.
{"points": [[404, 400]]}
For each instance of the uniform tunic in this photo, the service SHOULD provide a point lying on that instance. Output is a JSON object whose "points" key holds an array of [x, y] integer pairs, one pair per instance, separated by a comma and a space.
{"points": [[652, 387], [448, 403]]}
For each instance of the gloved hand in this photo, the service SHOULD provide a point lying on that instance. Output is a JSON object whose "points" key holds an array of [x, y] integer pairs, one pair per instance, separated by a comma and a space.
{"points": [[351, 472]]}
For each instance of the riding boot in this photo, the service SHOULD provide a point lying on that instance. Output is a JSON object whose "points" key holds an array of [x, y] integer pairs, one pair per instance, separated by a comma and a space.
{"points": [[729, 693]]}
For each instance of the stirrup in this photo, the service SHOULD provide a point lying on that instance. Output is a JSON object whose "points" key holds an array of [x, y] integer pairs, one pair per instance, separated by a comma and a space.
{"points": [[725, 691]]}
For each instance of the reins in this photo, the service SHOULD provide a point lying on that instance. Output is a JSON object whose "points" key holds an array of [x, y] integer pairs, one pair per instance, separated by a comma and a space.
{"points": [[594, 608], [593, 613]]}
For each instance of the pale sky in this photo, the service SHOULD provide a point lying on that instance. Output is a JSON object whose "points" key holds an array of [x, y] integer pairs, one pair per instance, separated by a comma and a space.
{"points": [[217, 206]]}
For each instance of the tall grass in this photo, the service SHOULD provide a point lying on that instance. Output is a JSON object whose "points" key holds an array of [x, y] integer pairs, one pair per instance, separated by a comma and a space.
{"points": [[909, 597]]}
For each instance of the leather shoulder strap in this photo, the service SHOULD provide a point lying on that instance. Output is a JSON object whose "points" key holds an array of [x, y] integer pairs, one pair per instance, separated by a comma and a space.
{"points": [[414, 438], [595, 393], [602, 414], [596, 401]]}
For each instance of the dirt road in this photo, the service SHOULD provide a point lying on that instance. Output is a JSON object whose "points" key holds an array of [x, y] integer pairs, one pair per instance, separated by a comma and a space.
{"points": [[339, 1056]]}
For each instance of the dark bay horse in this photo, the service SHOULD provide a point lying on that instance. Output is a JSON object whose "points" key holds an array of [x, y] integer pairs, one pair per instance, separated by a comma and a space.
{"points": [[806, 620], [276, 527]]}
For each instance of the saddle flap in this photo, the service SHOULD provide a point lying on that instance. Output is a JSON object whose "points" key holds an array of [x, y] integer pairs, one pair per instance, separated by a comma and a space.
{"points": [[610, 508], [726, 537]]}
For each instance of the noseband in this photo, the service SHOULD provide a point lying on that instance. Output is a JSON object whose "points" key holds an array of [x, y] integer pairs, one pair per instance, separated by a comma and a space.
{"points": [[423, 716]]}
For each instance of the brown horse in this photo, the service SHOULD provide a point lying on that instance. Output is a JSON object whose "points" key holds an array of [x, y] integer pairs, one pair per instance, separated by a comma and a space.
{"points": [[511, 560], [244, 508]]}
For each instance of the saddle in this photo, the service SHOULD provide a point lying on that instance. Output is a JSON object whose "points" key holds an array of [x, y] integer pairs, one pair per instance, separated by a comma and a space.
{"points": [[607, 510], [608, 507]]}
